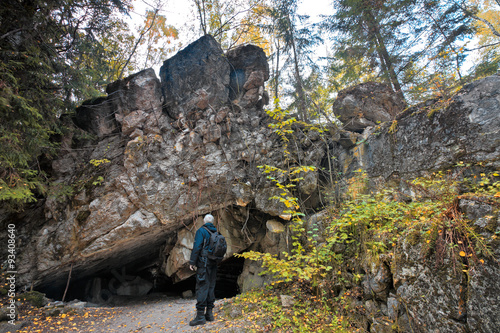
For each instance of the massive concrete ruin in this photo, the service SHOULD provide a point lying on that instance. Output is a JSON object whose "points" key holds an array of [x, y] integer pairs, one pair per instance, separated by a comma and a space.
{"points": [[155, 155]]}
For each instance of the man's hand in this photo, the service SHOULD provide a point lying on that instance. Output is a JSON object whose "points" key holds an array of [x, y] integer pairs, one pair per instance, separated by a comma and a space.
{"points": [[191, 267]]}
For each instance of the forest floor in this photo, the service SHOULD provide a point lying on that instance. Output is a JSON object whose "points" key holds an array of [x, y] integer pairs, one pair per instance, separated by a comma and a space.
{"points": [[149, 314], [278, 308]]}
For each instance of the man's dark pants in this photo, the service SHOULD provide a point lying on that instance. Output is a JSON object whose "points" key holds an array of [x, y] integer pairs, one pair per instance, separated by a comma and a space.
{"points": [[205, 286]]}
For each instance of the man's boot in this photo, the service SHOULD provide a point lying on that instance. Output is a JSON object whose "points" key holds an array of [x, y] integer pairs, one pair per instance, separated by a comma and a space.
{"points": [[209, 316], [199, 319]]}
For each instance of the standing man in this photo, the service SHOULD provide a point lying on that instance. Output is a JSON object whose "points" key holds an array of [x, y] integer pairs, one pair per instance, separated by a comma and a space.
{"points": [[206, 273]]}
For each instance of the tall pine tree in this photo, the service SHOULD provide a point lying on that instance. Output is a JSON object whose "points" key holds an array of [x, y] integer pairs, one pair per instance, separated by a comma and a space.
{"points": [[401, 41], [41, 43], [294, 41]]}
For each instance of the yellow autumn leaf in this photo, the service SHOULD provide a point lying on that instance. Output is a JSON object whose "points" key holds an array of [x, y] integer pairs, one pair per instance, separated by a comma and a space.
{"points": [[462, 253], [497, 195]]}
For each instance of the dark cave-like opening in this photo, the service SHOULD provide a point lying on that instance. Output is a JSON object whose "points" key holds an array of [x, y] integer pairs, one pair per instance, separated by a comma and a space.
{"points": [[227, 278], [107, 286]]}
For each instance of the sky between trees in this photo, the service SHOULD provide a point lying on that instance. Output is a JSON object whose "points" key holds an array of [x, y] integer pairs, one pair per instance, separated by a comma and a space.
{"points": [[420, 48]]}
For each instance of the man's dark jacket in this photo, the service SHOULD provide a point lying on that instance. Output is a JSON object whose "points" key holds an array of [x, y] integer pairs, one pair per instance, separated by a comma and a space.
{"points": [[200, 241]]}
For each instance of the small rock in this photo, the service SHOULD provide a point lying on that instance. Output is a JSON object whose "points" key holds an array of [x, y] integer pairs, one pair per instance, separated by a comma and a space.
{"points": [[54, 304], [92, 305], [53, 312], [136, 133], [5, 313], [392, 308], [187, 294], [255, 80], [372, 309], [78, 305], [6, 327], [234, 312], [287, 301], [34, 298], [381, 325], [275, 226], [202, 99]]}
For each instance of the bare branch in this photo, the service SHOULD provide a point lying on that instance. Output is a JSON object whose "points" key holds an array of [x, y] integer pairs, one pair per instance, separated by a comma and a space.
{"points": [[143, 33], [10, 33], [220, 30], [201, 12], [482, 46], [471, 13], [490, 26]]}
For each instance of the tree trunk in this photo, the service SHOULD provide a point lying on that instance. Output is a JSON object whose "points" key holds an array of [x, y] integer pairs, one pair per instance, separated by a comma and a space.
{"points": [[390, 67], [384, 56], [200, 6], [277, 73], [301, 105]]}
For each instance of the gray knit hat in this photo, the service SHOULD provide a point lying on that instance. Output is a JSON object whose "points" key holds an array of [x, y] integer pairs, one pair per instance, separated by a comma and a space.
{"points": [[208, 218]]}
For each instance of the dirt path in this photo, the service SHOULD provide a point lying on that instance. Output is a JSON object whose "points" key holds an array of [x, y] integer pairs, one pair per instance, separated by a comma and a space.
{"points": [[154, 313], [160, 314]]}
